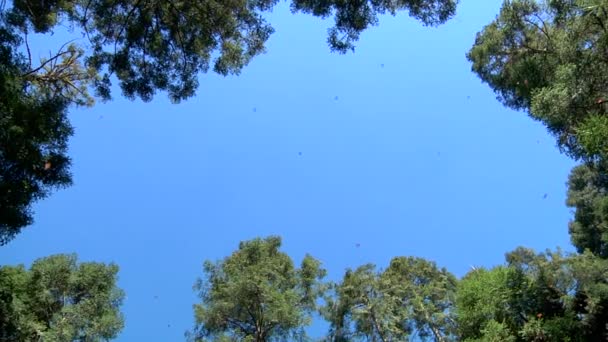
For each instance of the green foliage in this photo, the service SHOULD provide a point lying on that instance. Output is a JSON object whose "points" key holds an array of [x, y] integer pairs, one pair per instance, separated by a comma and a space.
{"points": [[156, 45], [34, 131], [591, 298], [592, 134], [587, 192], [494, 332], [164, 45], [535, 297], [482, 303], [411, 297], [353, 17], [256, 294], [43, 15], [360, 310], [547, 57], [60, 300], [63, 76]]}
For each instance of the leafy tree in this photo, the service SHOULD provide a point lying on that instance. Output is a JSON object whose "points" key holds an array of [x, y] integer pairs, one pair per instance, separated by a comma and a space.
{"points": [[411, 297], [482, 304], [548, 58], [148, 46], [59, 299], [163, 45], [535, 297], [256, 294], [34, 130], [590, 301], [587, 192]]}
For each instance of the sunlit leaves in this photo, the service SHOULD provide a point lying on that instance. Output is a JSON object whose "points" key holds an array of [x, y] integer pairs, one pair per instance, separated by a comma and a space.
{"points": [[547, 57], [256, 294], [535, 297], [64, 76], [59, 299], [411, 297]]}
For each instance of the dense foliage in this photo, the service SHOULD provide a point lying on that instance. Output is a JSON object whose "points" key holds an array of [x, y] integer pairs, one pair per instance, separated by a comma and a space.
{"points": [[256, 294], [548, 58], [412, 297], [34, 131], [59, 299], [534, 297]]}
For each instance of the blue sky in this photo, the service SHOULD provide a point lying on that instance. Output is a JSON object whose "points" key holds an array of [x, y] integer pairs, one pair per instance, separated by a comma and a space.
{"points": [[403, 151]]}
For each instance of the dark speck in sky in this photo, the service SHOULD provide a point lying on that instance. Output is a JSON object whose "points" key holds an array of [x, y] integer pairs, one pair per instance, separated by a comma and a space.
{"points": [[336, 98], [255, 109], [382, 65], [545, 196]]}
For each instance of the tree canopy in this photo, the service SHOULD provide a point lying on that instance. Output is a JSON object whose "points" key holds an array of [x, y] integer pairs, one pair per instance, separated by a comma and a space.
{"points": [[535, 297], [60, 299], [34, 132], [257, 294], [587, 192], [164, 45], [547, 57], [412, 297]]}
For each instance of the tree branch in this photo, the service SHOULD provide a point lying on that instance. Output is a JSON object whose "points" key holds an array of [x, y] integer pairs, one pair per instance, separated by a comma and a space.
{"points": [[27, 46], [50, 60]]}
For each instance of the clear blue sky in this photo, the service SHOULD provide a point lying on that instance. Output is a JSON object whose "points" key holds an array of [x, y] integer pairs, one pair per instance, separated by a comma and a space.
{"points": [[403, 151]]}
